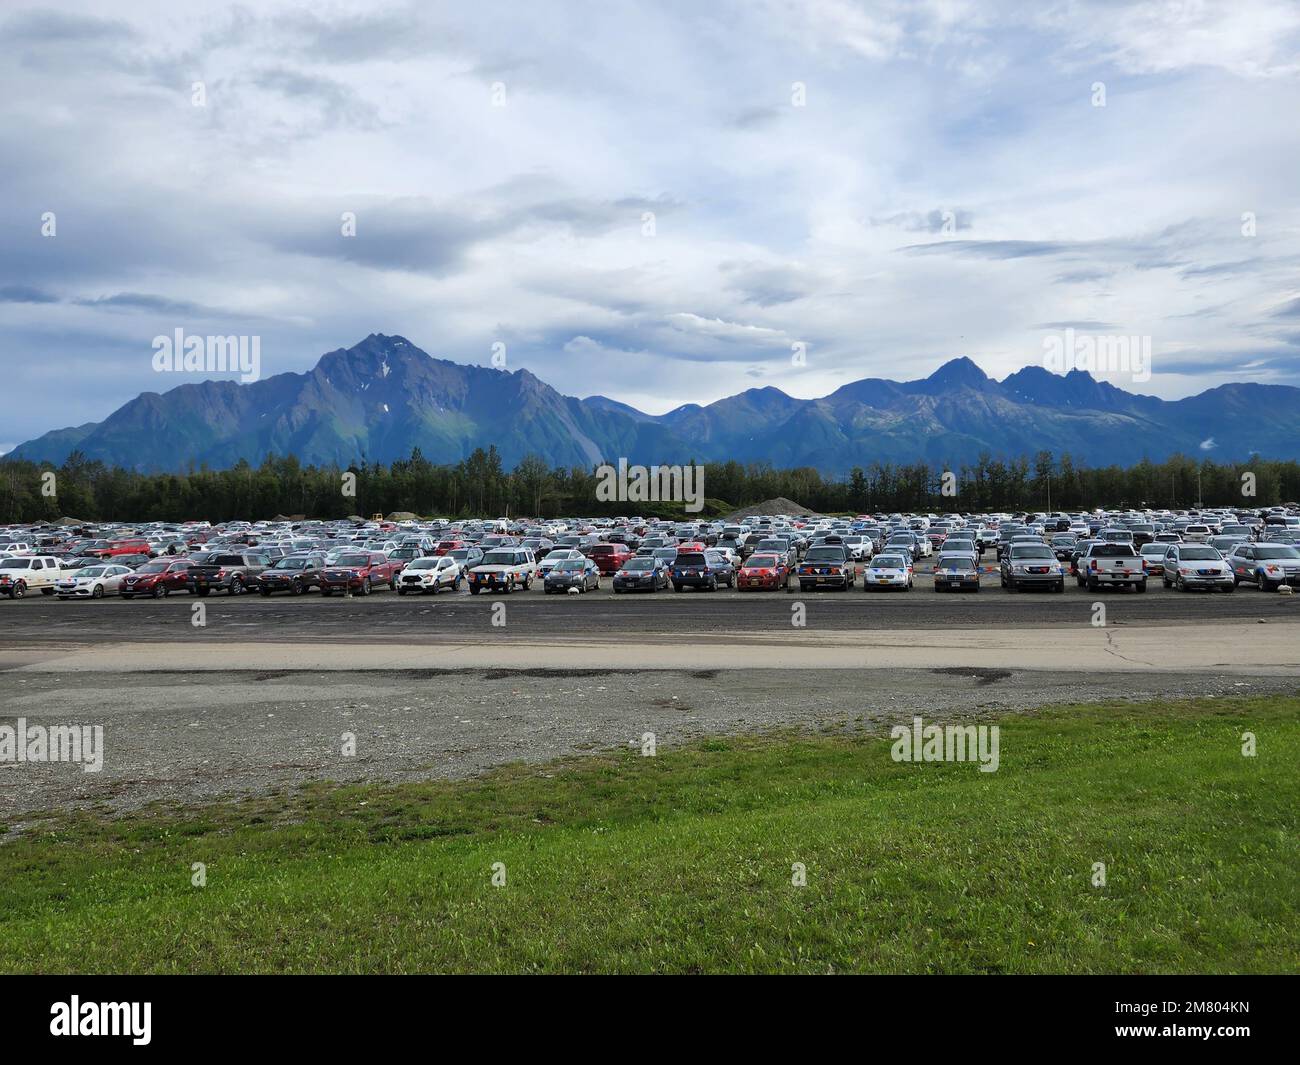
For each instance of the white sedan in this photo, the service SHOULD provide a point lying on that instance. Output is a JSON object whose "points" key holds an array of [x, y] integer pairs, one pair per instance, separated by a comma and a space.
{"points": [[93, 582], [888, 571], [555, 557]]}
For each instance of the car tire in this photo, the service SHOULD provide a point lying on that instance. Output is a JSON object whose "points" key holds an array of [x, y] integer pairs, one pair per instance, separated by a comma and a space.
{"points": [[1092, 584], [96, 593], [473, 589], [1265, 585], [402, 591], [265, 593], [1060, 585], [47, 591], [1139, 586], [326, 592], [202, 592], [676, 587], [123, 595], [161, 591], [366, 586], [236, 587]]}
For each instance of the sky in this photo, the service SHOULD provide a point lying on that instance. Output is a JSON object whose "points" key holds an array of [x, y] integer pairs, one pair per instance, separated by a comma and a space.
{"points": [[659, 202]]}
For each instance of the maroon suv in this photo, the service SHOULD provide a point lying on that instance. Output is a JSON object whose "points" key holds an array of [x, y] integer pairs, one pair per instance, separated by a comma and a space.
{"points": [[360, 571], [157, 578]]}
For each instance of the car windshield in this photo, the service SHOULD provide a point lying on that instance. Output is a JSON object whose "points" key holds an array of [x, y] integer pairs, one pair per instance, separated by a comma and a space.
{"points": [[499, 558], [952, 561], [762, 561], [423, 563], [1199, 554], [291, 563], [825, 554], [1156, 550], [571, 565], [1031, 551], [93, 571], [890, 562], [354, 560], [154, 567], [1277, 552], [639, 564], [691, 558]]}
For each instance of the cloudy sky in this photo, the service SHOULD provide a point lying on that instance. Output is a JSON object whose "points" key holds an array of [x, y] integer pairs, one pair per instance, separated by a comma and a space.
{"points": [[647, 200]]}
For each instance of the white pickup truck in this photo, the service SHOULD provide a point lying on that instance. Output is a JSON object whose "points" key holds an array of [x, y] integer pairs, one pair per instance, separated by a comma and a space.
{"points": [[1111, 563], [20, 574]]}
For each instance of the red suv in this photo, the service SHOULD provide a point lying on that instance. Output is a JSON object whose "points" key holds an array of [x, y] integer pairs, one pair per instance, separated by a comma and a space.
{"points": [[360, 571], [445, 546], [157, 578], [609, 558], [132, 545]]}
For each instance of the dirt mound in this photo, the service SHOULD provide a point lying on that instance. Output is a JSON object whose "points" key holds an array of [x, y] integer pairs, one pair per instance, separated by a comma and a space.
{"points": [[768, 508]]}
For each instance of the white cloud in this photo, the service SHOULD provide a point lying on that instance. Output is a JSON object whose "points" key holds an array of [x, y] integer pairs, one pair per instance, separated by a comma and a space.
{"points": [[526, 223]]}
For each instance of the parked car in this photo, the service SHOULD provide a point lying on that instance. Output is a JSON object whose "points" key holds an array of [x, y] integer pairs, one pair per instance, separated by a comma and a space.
{"points": [[93, 582], [609, 557], [580, 573], [1191, 565], [956, 571], [21, 574], [235, 573], [765, 571], [1111, 564], [294, 574], [503, 569], [641, 574], [430, 575], [156, 579], [359, 571], [1268, 566], [1027, 565], [1153, 559], [701, 569], [555, 556], [826, 566], [889, 569]]}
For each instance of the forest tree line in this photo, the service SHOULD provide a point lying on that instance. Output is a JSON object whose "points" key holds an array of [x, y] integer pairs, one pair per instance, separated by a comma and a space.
{"points": [[480, 486]]}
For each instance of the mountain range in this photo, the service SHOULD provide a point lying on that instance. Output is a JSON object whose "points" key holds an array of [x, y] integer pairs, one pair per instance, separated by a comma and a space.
{"points": [[382, 398]]}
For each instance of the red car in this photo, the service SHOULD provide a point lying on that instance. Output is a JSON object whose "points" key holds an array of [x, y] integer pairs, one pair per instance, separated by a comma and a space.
{"points": [[157, 578], [764, 572], [609, 558], [130, 546], [448, 545], [360, 571]]}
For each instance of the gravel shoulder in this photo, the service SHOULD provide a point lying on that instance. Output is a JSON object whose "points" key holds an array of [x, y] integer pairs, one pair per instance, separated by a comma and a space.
{"points": [[180, 738]]}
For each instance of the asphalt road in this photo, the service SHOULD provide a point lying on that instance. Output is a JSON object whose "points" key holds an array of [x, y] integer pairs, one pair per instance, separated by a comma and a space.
{"points": [[386, 616]]}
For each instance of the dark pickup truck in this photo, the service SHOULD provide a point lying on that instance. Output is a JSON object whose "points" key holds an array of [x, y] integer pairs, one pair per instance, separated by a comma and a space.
{"points": [[233, 573]]}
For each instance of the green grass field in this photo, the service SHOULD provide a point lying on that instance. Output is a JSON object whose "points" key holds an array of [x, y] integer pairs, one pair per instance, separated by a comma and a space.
{"points": [[682, 862]]}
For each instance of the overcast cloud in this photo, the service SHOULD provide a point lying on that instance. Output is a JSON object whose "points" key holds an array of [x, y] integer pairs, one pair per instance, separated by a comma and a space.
{"points": [[948, 187]]}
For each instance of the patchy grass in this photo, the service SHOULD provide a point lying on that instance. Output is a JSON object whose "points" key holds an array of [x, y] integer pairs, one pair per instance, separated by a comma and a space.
{"points": [[682, 862]]}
